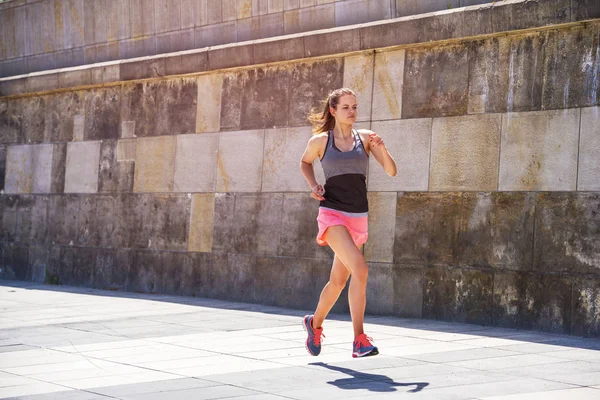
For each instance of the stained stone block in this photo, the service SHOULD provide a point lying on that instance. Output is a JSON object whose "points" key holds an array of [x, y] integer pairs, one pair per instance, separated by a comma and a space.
{"points": [[223, 223], [588, 175], [154, 164], [584, 9], [257, 223], [277, 49], [408, 291], [244, 9], [392, 33], [32, 219], [539, 150], [75, 77], [233, 277], [497, 230], [77, 266], [8, 210], [38, 262], [532, 301], [204, 267], [34, 118], [118, 25], [14, 263], [166, 221], [187, 63], [437, 80], [177, 271], [11, 118], [176, 108], [102, 107], [427, 228], [299, 219], [19, 169], [382, 219], [107, 223], [201, 222], [88, 231], [64, 108], [11, 86], [114, 175], [230, 56], [62, 219], [380, 289], [266, 92], [59, 164], [195, 153], [283, 149], [489, 75], [133, 211], [139, 109], [285, 282], [508, 16], [586, 307], [81, 173], [232, 175], [458, 295], [112, 268], [409, 143], [215, 34], [358, 75], [309, 19], [465, 152], [146, 272], [147, 67], [566, 233], [311, 83], [231, 101], [168, 15], [208, 113]]}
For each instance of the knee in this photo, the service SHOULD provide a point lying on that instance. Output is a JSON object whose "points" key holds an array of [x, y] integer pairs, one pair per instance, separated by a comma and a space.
{"points": [[361, 271], [338, 284]]}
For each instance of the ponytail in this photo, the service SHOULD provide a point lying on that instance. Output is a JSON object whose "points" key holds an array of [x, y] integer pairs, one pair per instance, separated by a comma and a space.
{"points": [[325, 121]]}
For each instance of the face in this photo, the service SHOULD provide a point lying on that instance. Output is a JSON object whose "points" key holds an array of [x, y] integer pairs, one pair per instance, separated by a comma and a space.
{"points": [[346, 111]]}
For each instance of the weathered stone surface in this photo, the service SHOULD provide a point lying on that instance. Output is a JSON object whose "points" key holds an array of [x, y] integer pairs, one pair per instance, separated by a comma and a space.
{"points": [[358, 75], [32, 220], [148, 67], [360, 11], [202, 273], [77, 266], [208, 113], [329, 42], [19, 169], [427, 228], [259, 27], [95, 21], [118, 25], [187, 63], [81, 173], [42, 155], [257, 225], [114, 175], [299, 233], [458, 295], [266, 93], [172, 42], [584, 9], [146, 272], [88, 231], [588, 175], [59, 164], [168, 15], [215, 34], [489, 75], [103, 52], [42, 81], [139, 109], [382, 225], [112, 268], [450, 24], [569, 80], [166, 221], [532, 301], [497, 230], [8, 210], [2, 166], [133, 212], [195, 163], [229, 56], [409, 143], [11, 118], [392, 33], [137, 47], [223, 223], [154, 164], [38, 263], [539, 150], [310, 84], [465, 152], [11, 86], [233, 277], [380, 289], [236, 176], [508, 16], [566, 233], [201, 222], [102, 107], [231, 101], [283, 149], [438, 81], [34, 118], [75, 77], [14, 262], [408, 291], [309, 19], [272, 50], [178, 269], [64, 108], [62, 219], [285, 282], [586, 307], [102, 221], [176, 112]]}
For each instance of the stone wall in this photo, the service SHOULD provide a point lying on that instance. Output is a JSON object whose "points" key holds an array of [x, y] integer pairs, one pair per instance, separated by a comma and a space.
{"points": [[48, 34], [191, 184]]}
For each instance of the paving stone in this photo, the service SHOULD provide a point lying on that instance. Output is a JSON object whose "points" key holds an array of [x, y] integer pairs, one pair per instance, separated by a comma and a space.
{"points": [[382, 218], [527, 165], [154, 164], [358, 75], [209, 103], [233, 176], [409, 143], [465, 152], [588, 175], [81, 174], [202, 222], [195, 153]]}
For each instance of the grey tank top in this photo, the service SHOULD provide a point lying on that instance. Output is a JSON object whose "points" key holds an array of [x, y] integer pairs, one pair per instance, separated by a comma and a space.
{"points": [[345, 176]]}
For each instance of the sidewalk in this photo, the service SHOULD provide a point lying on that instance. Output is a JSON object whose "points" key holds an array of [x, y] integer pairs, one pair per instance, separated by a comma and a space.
{"points": [[81, 344]]}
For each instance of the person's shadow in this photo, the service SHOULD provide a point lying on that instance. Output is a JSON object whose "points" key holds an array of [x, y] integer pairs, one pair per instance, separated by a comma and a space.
{"points": [[371, 382]]}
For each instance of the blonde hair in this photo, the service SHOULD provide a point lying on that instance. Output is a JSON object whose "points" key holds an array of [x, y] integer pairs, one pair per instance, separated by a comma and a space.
{"points": [[325, 121]]}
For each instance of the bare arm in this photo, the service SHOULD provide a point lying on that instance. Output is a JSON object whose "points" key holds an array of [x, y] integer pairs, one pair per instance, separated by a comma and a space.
{"points": [[313, 151], [374, 144]]}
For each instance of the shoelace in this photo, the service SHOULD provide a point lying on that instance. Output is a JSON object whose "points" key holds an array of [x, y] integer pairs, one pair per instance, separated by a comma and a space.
{"points": [[317, 336], [364, 340]]}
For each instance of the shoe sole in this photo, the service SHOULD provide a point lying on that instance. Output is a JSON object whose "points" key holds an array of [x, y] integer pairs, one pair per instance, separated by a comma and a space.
{"points": [[369, 354], [306, 343]]}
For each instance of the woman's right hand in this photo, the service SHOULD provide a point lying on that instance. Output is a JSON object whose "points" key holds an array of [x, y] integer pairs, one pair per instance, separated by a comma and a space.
{"points": [[317, 192]]}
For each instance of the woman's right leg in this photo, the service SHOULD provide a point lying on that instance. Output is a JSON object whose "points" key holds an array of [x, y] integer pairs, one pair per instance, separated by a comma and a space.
{"points": [[331, 292]]}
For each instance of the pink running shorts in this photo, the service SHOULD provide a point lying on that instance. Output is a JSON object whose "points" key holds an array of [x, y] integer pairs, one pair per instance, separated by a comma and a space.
{"points": [[357, 225]]}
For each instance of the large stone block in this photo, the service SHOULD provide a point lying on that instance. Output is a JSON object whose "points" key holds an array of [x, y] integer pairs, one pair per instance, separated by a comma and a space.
{"points": [[202, 272], [59, 164], [277, 49], [588, 175], [266, 94], [29, 168], [139, 109], [497, 230], [95, 21], [172, 42], [409, 143], [567, 239], [146, 272], [532, 301], [231, 101], [34, 119], [77, 266], [81, 173], [489, 75], [118, 25], [257, 225], [223, 224], [176, 112], [32, 220], [64, 109], [438, 81], [208, 114], [168, 15], [427, 228], [114, 175], [230, 56], [586, 307], [133, 212], [382, 226], [201, 222], [102, 107], [408, 291], [281, 170], [299, 219], [142, 68], [458, 295], [360, 11], [186, 63], [539, 150], [154, 164], [392, 33], [195, 163], [285, 282], [166, 221], [8, 210], [38, 263], [465, 152], [137, 47], [331, 42], [508, 16], [62, 219], [380, 289], [232, 277], [112, 268], [309, 19], [11, 119], [358, 75], [311, 83], [236, 176], [105, 224], [88, 229], [14, 262]]}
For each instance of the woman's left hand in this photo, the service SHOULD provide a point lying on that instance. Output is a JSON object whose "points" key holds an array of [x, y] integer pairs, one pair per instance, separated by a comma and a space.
{"points": [[375, 140]]}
